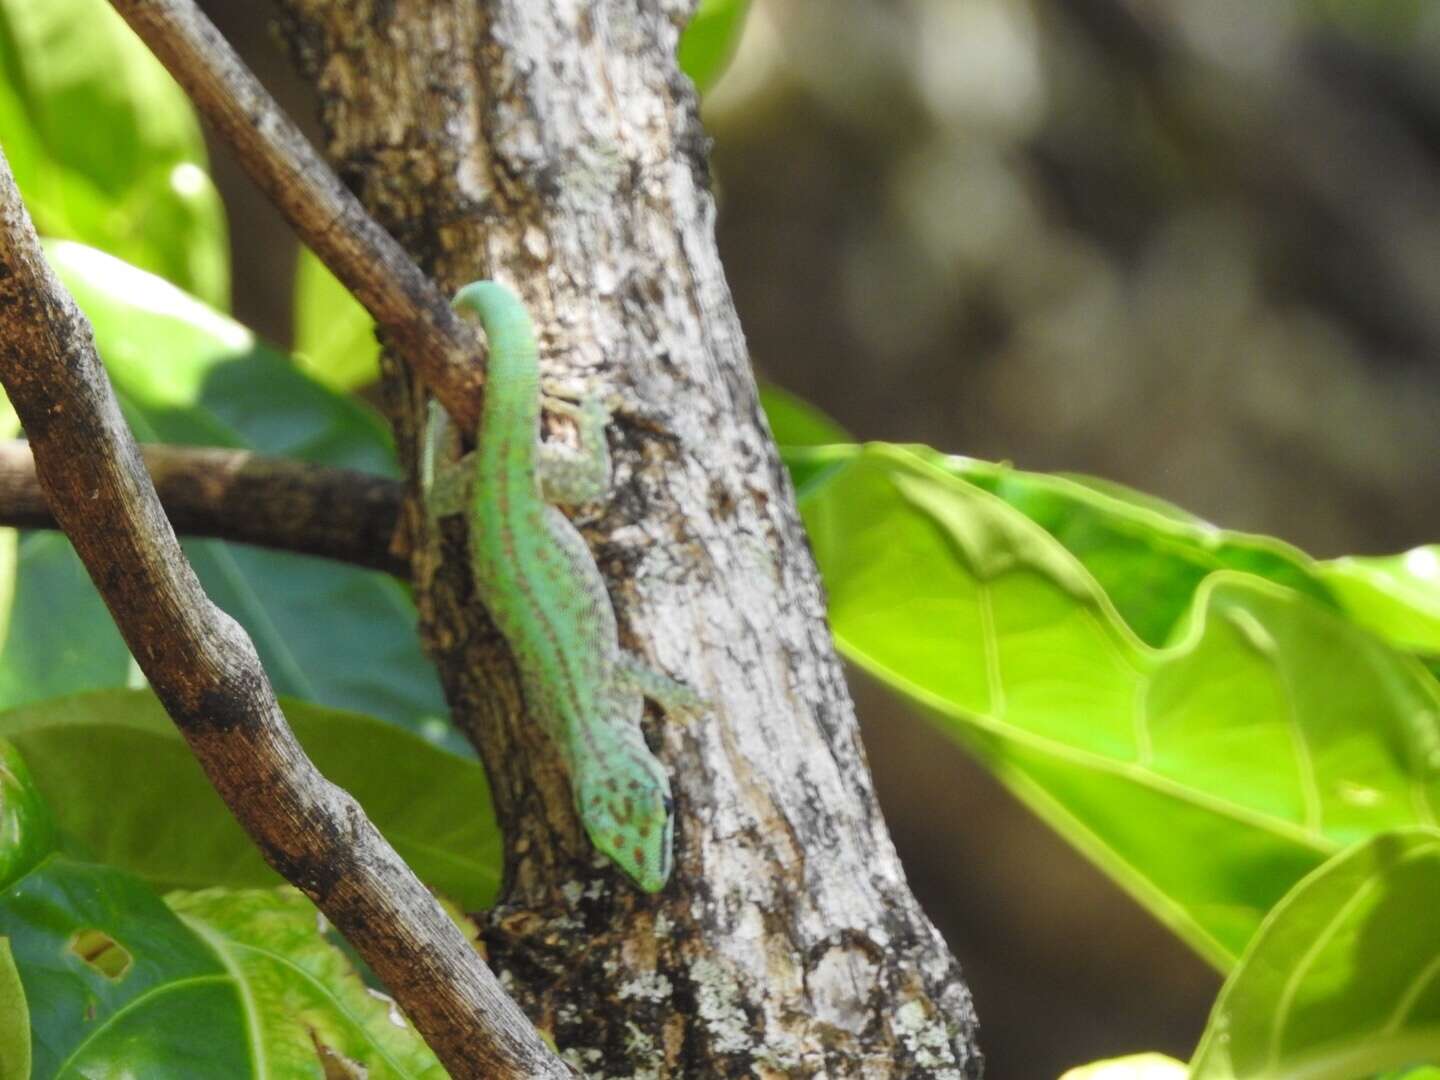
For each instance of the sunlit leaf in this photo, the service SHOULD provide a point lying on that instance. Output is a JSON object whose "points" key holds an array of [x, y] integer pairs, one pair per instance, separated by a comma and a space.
{"points": [[1148, 557], [304, 1003], [796, 422], [104, 146], [710, 39], [1207, 773], [1343, 978], [1396, 596], [334, 336], [1133, 1067]]}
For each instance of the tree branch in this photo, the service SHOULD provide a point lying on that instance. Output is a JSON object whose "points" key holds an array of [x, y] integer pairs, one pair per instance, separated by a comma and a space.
{"points": [[557, 147], [223, 494], [205, 670], [410, 311]]}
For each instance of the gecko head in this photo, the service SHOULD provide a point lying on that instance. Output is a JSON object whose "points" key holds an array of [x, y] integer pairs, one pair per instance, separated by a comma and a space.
{"points": [[630, 816]]}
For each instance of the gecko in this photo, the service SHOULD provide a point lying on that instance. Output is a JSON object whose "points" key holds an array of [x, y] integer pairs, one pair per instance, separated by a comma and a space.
{"points": [[539, 582]]}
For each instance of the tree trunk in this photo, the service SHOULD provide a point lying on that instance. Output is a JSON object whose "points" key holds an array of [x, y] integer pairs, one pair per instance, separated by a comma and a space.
{"points": [[555, 146]]}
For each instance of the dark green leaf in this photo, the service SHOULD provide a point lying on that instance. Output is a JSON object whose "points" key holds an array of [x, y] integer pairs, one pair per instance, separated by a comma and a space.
{"points": [[327, 633], [87, 752], [107, 981], [27, 831], [116, 984]]}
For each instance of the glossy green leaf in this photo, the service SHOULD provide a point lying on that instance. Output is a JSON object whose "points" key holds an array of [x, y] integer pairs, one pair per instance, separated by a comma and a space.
{"points": [[87, 752], [302, 997], [99, 977], [104, 146], [1132, 1067], [1148, 557], [116, 984], [14, 1019], [1396, 596], [1207, 774], [709, 40], [1343, 978], [334, 336], [327, 633], [27, 829]]}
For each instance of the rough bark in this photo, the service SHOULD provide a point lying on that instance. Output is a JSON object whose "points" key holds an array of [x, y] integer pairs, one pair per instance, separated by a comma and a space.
{"points": [[235, 495], [555, 146], [205, 671]]}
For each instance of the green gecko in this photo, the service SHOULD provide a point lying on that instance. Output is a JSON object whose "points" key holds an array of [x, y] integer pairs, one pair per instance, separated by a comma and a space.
{"points": [[539, 582]]}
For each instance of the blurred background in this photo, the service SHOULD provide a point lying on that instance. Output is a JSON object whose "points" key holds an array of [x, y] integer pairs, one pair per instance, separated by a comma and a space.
{"points": [[1190, 245]]}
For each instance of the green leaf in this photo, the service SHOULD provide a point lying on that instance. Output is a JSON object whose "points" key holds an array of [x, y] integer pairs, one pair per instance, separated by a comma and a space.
{"points": [[795, 422], [98, 977], [14, 1019], [327, 633], [334, 336], [1343, 978], [27, 830], [1148, 556], [172, 830], [116, 984], [1396, 596], [302, 997], [1132, 1067], [710, 39], [104, 145], [1208, 774]]}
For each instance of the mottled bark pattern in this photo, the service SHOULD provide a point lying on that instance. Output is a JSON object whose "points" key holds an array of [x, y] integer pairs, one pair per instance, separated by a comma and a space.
{"points": [[554, 146]]}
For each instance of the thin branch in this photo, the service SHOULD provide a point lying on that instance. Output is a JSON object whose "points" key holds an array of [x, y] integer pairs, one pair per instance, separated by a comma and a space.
{"points": [[410, 311], [222, 494], [205, 670]]}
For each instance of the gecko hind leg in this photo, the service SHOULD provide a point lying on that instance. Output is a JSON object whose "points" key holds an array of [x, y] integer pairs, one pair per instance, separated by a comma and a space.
{"points": [[674, 697], [571, 477]]}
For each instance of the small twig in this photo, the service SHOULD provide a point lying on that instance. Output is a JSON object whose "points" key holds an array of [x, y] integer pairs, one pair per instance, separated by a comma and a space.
{"points": [[205, 671], [235, 495], [410, 311]]}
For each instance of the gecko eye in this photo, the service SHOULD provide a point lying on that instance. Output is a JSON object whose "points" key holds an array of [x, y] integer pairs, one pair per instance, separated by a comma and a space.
{"points": [[669, 805]]}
